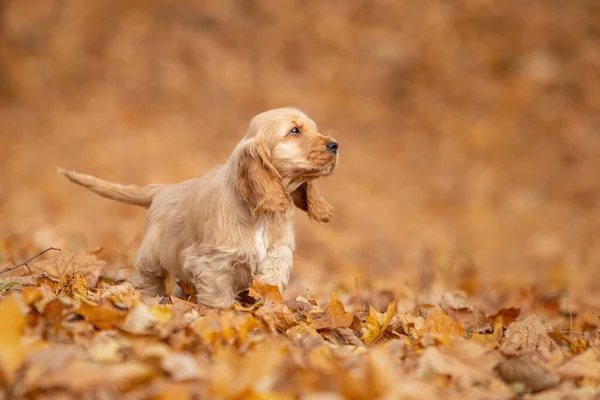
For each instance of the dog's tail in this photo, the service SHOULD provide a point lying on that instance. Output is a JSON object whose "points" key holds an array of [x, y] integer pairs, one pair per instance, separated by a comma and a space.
{"points": [[130, 194]]}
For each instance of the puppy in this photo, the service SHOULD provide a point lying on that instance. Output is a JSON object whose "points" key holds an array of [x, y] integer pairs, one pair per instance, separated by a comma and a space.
{"points": [[237, 220]]}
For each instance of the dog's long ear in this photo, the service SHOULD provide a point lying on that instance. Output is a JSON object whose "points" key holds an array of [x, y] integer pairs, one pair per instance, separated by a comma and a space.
{"points": [[307, 198], [258, 182]]}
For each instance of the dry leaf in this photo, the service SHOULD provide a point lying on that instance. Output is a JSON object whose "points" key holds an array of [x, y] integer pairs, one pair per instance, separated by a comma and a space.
{"points": [[265, 292], [508, 315], [225, 328], [334, 316], [181, 367], [103, 316], [433, 362], [82, 376], [526, 337], [440, 323], [377, 323], [139, 321], [411, 325], [237, 375], [123, 294], [349, 337], [533, 376], [453, 300], [105, 348], [584, 365], [71, 284], [305, 336], [12, 352], [277, 316], [63, 263]]}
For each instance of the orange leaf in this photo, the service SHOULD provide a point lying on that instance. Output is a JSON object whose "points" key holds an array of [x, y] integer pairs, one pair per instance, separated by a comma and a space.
{"points": [[103, 316], [71, 284], [335, 316], [264, 291], [438, 322], [11, 350]]}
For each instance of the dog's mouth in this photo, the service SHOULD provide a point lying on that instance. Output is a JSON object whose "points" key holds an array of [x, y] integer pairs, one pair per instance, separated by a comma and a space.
{"points": [[324, 170]]}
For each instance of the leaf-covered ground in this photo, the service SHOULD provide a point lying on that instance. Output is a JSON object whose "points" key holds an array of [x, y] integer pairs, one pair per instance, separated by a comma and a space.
{"points": [[467, 192], [73, 328]]}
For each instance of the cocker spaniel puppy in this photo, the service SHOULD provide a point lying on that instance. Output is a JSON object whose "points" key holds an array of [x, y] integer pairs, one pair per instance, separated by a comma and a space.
{"points": [[238, 219]]}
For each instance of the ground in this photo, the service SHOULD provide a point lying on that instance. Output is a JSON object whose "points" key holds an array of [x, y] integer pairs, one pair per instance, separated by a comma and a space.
{"points": [[467, 207]]}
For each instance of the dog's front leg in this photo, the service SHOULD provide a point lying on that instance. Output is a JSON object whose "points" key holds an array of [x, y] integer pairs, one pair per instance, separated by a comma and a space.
{"points": [[276, 268], [214, 274]]}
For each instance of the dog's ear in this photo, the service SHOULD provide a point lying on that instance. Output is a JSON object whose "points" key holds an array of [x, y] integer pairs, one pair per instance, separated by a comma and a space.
{"points": [[258, 182], [307, 198]]}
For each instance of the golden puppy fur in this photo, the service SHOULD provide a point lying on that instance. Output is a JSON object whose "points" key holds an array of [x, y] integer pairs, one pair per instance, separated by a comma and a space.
{"points": [[238, 219]]}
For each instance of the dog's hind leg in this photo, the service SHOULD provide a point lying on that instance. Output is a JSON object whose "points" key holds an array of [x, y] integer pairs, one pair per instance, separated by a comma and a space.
{"points": [[149, 278]]}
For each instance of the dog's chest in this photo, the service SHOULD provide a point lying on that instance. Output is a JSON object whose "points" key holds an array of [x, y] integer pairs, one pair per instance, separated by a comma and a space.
{"points": [[261, 238]]}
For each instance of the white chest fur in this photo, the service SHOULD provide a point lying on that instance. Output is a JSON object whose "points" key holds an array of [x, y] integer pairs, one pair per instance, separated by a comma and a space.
{"points": [[261, 238]]}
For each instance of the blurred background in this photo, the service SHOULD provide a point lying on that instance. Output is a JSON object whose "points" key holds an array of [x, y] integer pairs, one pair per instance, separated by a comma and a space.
{"points": [[469, 130]]}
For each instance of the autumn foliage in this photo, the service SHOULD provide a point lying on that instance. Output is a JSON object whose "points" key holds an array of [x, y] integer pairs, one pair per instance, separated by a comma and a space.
{"points": [[71, 330]]}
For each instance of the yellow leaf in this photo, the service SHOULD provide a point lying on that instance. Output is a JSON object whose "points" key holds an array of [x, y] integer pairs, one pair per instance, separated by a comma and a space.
{"points": [[222, 328], [438, 322], [162, 312], [335, 316], [377, 323], [71, 284], [11, 350]]}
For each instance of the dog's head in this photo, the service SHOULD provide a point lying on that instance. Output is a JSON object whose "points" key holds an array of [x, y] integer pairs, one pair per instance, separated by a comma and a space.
{"points": [[278, 160]]}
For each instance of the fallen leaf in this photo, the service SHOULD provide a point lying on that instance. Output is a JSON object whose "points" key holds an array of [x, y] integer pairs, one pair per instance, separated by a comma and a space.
{"points": [[334, 316], [236, 375], [584, 365], [187, 288], [123, 294], [25, 281], [411, 325], [71, 284], [103, 316], [80, 376], [301, 304], [263, 291], [453, 300], [185, 306], [349, 337], [105, 348], [535, 377], [225, 327], [440, 323], [61, 263], [55, 313], [44, 362], [12, 352], [139, 321], [527, 337], [181, 367], [277, 316], [162, 312], [305, 336], [433, 363], [508, 315], [377, 323]]}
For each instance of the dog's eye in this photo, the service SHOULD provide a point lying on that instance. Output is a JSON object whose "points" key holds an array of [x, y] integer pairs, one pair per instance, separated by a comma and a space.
{"points": [[295, 131]]}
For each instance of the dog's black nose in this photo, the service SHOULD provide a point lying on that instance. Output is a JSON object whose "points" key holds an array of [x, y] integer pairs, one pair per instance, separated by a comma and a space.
{"points": [[332, 146]]}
